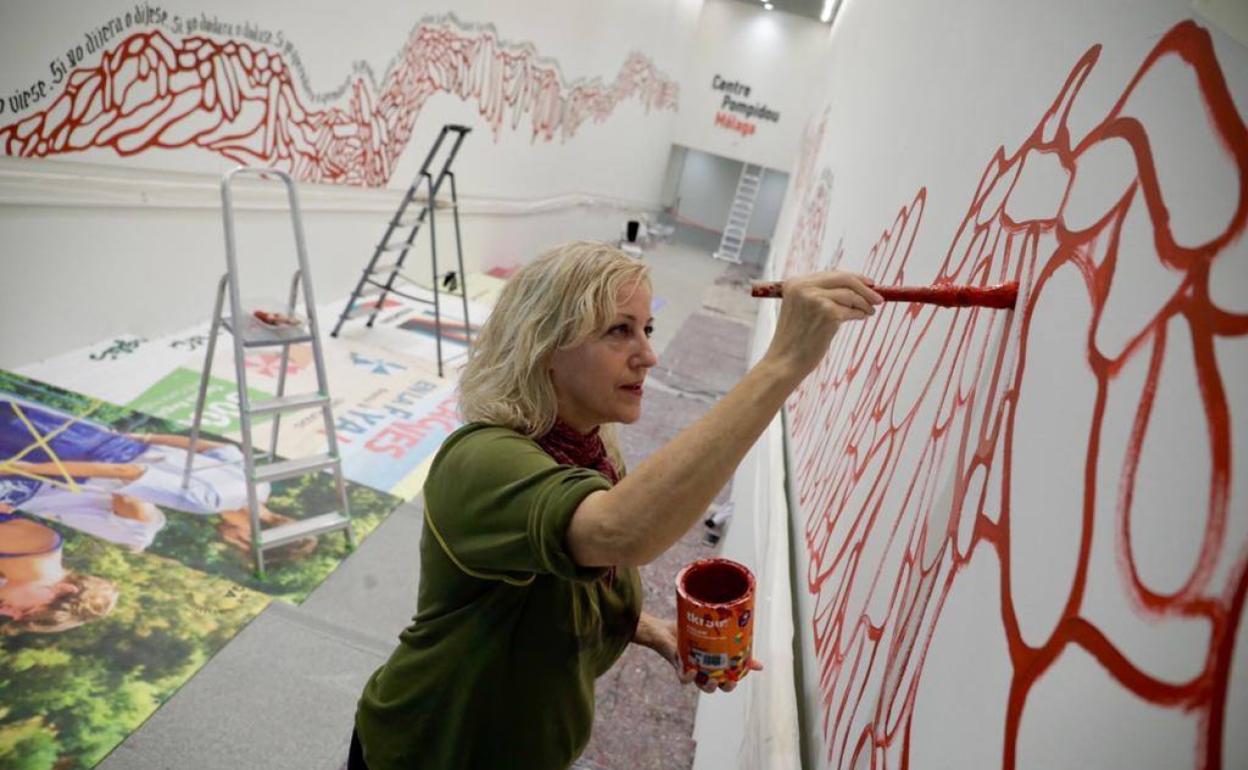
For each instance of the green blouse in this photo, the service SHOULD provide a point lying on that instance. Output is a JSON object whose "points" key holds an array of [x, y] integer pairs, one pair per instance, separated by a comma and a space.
{"points": [[497, 669]]}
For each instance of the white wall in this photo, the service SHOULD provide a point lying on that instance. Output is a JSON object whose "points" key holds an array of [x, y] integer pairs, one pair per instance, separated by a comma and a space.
{"points": [[132, 242], [775, 55], [1020, 535]]}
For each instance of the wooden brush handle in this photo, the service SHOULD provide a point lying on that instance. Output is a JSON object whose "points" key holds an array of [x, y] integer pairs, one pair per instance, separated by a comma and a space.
{"points": [[1002, 296]]}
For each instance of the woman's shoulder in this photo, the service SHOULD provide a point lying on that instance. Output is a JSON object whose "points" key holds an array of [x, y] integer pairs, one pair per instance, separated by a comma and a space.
{"points": [[478, 458], [481, 436], [478, 448]]}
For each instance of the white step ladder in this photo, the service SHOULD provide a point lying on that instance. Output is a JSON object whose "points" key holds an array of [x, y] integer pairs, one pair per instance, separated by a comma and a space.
{"points": [[733, 239], [250, 332]]}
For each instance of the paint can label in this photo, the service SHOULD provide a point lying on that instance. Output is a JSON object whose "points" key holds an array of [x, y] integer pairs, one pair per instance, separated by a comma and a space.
{"points": [[715, 619]]}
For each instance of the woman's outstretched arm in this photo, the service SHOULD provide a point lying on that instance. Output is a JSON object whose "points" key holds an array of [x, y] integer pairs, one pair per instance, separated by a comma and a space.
{"points": [[652, 507]]}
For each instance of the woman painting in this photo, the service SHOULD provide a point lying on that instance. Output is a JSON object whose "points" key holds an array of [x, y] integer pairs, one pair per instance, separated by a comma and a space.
{"points": [[528, 587]]}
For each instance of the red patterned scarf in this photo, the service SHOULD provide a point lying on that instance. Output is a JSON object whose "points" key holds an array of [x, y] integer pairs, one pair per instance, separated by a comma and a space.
{"points": [[571, 448]]}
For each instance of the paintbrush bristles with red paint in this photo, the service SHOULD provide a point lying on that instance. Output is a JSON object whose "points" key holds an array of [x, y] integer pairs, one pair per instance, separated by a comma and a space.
{"points": [[1002, 296]]}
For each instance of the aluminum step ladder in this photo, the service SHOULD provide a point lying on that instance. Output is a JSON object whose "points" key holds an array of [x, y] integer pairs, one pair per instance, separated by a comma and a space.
{"points": [[733, 239], [379, 278], [249, 332]]}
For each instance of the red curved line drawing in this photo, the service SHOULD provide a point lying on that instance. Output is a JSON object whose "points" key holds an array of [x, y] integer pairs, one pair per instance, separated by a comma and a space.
{"points": [[808, 152], [239, 101], [849, 424]]}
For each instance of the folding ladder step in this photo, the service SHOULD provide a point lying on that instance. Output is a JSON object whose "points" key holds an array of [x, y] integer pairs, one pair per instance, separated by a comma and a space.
{"points": [[297, 467], [295, 530], [380, 277], [399, 246], [395, 291], [254, 334], [289, 403], [385, 267]]}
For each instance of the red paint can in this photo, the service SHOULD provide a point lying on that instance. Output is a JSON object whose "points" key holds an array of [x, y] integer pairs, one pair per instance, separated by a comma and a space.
{"points": [[715, 619]]}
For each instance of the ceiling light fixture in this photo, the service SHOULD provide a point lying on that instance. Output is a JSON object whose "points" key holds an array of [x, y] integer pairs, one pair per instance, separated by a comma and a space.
{"points": [[826, 15], [767, 6]]}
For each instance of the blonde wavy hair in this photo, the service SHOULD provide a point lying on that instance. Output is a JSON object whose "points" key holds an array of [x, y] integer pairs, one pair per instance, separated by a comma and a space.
{"points": [[564, 297]]}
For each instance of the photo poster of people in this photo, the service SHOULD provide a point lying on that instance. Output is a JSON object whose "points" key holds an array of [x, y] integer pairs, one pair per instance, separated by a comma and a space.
{"points": [[118, 582]]}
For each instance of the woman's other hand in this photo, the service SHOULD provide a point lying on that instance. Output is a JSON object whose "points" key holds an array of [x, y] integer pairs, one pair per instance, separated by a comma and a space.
{"points": [[660, 636], [708, 685], [814, 307]]}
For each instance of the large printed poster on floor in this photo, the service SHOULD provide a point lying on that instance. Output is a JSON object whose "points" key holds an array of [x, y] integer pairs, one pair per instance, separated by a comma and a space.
{"points": [[1022, 535], [120, 574]]}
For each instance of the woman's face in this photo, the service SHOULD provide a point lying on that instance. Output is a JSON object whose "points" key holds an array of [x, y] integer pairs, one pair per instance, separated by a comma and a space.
{"points": [[600, 380]]}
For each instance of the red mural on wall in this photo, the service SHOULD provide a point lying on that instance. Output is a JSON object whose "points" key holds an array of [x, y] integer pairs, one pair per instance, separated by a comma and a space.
{"points": [[239, 100], [808, 152], [806, 238], [910, 456]]}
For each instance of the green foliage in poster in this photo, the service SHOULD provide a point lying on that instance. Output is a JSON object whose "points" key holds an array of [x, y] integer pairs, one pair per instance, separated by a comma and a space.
{"points": [[70, 697]]}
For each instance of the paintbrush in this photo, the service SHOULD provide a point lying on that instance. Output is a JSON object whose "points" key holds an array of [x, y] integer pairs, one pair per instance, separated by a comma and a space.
{"points": [[1001, 296]]}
